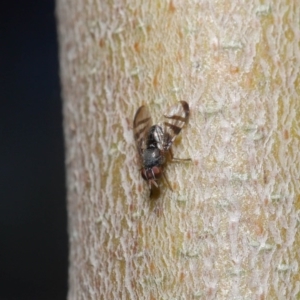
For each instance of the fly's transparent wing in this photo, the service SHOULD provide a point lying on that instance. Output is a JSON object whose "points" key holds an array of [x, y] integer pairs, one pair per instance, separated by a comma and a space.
{"points": [[141, 124], [176, 117]]}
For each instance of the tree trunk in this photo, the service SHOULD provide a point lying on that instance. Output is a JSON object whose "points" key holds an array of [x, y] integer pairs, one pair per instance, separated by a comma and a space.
{"points": [[229, 228]]}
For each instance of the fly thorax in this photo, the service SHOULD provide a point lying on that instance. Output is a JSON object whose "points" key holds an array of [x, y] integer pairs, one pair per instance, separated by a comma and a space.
{"points": [[152, 157]]}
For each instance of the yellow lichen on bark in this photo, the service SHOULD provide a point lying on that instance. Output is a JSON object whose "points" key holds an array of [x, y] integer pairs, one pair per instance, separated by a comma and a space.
{"points": [[229, 229]]}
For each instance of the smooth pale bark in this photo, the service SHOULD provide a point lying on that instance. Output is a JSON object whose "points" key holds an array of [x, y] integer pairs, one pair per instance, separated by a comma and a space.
{"points": [[229, 229]]}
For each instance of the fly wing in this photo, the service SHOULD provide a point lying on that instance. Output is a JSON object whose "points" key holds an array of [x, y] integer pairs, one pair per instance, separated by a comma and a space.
{"points": [[175, 119], [141, 125]]}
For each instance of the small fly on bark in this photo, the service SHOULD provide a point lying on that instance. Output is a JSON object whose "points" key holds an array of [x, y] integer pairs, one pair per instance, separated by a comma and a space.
{"points": [[155, 141]]}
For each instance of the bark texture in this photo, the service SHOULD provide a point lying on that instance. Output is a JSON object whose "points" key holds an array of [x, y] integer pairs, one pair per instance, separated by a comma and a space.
{"points": [[230, 229]]}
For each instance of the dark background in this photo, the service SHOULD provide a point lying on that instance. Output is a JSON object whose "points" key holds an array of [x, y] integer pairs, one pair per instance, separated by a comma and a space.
{"points": [[33, 226]]}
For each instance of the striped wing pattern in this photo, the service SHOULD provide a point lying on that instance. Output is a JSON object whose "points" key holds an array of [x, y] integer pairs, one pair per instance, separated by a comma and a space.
{"points": [[176, 118], [141, 125]]}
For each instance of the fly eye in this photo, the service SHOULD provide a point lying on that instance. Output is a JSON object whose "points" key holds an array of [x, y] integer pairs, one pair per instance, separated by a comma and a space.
{"points": [[157, 172]]}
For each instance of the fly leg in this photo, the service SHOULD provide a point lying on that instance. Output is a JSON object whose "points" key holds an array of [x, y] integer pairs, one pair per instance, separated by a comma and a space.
{"points": [[167, 181], [174, 159]]}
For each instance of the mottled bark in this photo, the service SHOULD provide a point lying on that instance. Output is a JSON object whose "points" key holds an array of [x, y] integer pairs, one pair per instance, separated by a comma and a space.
{"points": [[229, 228]]}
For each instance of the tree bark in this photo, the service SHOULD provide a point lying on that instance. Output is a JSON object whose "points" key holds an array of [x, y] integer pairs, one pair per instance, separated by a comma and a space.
{"points": [[229, 228]]}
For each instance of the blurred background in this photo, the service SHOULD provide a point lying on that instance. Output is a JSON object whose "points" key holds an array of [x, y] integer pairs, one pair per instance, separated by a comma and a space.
{"points": [[33, 225]]}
